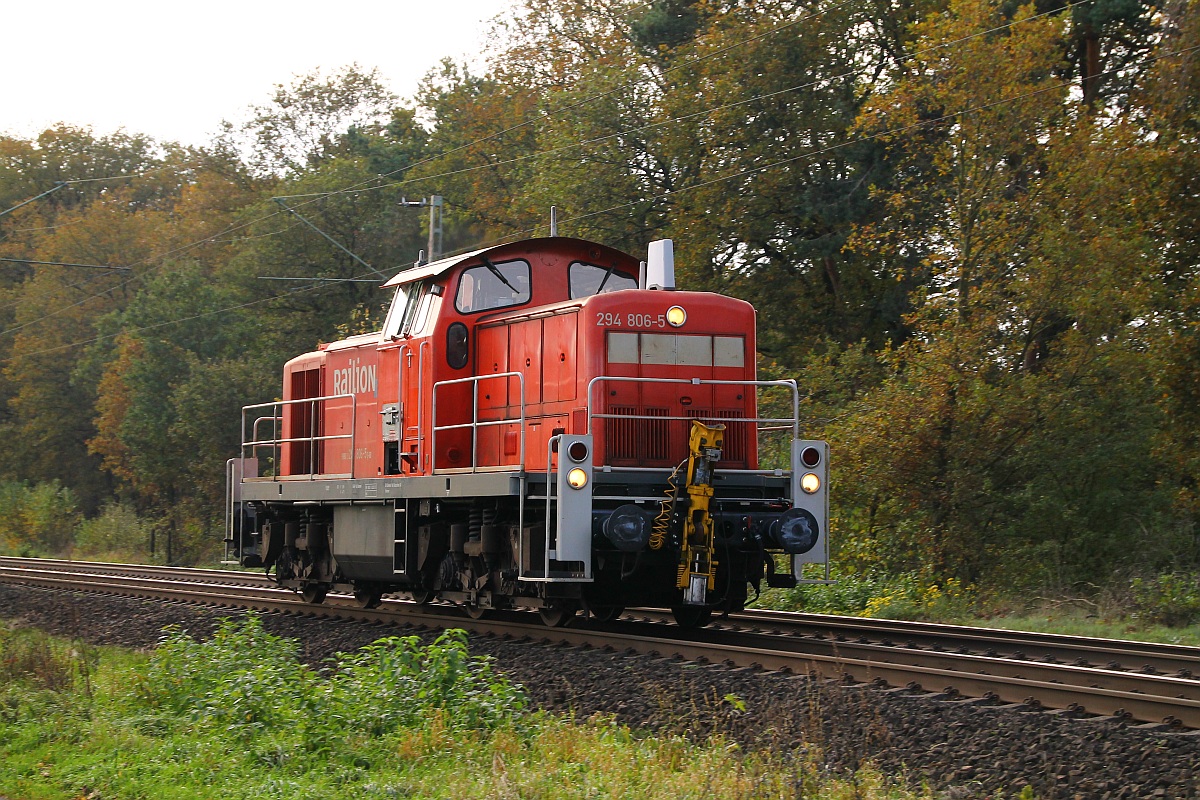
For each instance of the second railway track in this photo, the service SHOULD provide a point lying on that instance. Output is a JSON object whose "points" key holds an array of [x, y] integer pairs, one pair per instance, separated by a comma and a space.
{"points": [[1141, 682]]}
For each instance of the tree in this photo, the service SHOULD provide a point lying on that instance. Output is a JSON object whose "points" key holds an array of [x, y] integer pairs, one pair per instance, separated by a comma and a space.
{"points": [[772, 181], [307, 122], [1019, 417]]}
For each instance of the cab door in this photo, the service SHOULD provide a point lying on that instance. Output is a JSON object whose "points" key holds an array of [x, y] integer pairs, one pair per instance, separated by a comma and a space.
{"points": [[414, 370], [390, 407]]}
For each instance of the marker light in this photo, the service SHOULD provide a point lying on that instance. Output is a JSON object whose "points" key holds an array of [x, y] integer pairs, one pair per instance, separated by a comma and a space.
{"points": [[676, 316], [577, 478], [810, 483], [811, 456], [577, 451]]}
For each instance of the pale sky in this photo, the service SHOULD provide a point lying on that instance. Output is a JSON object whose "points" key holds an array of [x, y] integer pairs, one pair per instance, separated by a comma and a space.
{"points": [[174, 70]]}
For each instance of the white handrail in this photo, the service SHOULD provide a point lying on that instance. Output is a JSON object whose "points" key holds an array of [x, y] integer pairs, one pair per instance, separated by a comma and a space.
{"points": [[276, 441], [789, 384], [475, 423]]}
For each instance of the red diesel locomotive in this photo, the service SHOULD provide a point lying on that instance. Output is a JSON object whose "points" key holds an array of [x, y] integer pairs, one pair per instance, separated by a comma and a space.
{"points": [[544, 424]]}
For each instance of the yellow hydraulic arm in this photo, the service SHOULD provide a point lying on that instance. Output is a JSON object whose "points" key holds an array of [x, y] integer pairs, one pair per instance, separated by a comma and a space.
{"points": [[697, 567]]}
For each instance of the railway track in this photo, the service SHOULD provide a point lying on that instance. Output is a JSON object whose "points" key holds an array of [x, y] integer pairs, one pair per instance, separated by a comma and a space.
{"points": [[1139, 682]]}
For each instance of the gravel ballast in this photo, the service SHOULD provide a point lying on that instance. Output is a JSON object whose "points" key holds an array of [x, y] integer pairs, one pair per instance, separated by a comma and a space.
{"points": [[962, 749]]}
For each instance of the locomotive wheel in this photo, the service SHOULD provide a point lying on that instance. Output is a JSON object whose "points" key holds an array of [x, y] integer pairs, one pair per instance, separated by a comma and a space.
{"points": [[368, 599], [692, 616], [556, 616], [476, 612], [605, 613], [423, 598], [314, 594]]}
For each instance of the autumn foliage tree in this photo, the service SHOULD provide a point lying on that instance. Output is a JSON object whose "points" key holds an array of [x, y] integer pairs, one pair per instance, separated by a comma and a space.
{"points": [[968, 226]]}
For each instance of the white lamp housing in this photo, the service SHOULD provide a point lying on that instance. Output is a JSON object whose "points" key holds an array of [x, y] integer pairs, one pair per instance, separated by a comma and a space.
{"points": [[660, 265]]}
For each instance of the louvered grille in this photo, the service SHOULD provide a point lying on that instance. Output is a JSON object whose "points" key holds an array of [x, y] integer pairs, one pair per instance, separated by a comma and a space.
{"points": [[651, 442], [655, 443], [637, 440], [735, 437], [621, 434]]}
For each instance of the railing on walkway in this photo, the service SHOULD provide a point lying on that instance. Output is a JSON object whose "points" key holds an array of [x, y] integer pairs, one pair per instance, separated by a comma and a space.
{"points": [[475, 424], [309, 442]]}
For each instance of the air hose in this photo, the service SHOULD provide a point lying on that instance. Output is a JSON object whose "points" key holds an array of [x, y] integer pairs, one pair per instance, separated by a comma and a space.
{"points": [[662, 523]]}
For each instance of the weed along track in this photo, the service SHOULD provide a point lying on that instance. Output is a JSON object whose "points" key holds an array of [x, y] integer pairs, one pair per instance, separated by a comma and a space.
{"points": [[755, 678]]}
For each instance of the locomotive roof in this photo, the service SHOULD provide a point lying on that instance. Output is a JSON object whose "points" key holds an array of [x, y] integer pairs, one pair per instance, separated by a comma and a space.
{"points": [[436, 268]]}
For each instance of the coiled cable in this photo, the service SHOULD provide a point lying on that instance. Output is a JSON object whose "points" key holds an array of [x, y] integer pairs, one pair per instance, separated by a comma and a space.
{"points": [[662, 522]]}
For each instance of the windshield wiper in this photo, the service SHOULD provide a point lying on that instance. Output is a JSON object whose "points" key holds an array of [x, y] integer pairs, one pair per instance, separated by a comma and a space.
{"points": [[495, 271], [607, 274]]}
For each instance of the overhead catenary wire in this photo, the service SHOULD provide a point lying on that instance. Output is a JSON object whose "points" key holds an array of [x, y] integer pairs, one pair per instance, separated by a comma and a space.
{"points": [[141, 276], [321, 196], [330, 239], [658, 123], [317, 197], [58, 185], [591, 99], [91, 277], [841, 145], [328, 280], [880, 134], [176, 321], [63, 184], [64, 264]]}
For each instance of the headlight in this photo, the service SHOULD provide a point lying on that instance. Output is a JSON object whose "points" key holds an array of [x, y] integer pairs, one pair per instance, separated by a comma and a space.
{"points": [[676, 316], [577, 478], [810, 483]]}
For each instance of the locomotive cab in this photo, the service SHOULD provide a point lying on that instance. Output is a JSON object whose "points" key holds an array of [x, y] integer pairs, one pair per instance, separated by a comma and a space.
{"points": [[534, 427]]}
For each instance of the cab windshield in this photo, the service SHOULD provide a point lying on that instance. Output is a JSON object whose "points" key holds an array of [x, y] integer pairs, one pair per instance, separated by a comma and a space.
{"points": [[588, 279], [493, 285]]}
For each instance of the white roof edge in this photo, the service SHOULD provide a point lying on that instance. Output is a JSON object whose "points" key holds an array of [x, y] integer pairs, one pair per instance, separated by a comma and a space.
{"points": [[432, 269]]}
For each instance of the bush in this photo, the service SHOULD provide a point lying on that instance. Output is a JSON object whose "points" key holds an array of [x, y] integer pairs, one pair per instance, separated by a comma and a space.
{"points": [[31, 659], [850, 594], [118, 533], [906, 596], [40, 676], [1172, 599], [396, 682], [37, 520], [251, 683], [912, 599], [243, 677]]}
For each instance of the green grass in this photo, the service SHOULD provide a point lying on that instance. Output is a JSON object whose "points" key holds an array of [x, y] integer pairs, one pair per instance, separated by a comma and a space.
{"points": [[1052, 618], [237, 716], [1138, 609]]}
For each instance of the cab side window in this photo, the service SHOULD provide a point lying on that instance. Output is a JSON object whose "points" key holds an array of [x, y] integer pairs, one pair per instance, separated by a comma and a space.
{"points": [[493, 285], [408, 311]]}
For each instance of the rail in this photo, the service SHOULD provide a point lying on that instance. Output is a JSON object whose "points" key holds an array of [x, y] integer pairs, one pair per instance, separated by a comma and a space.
{"points": [[948, 661], [277, 440]]}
